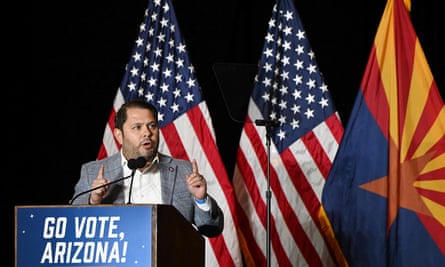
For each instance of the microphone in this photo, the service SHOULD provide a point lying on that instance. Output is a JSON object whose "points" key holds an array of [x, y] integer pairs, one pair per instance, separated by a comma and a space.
{"points": [[269, 124], [133, 164]]}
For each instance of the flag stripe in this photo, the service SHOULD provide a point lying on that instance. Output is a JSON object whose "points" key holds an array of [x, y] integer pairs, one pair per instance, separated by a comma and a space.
{"points": [[336, 131], [316, 150], [173, 141]]}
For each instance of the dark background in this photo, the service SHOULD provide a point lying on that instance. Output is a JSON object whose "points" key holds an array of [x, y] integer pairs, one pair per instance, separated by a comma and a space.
{"points": [[79, 50]]}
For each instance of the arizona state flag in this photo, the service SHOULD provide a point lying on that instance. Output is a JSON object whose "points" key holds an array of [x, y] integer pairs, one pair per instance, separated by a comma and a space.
{"points": [[385, 194]]}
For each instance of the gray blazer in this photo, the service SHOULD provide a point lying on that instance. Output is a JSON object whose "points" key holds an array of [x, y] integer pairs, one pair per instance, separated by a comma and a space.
{"points": [[174, 188]]}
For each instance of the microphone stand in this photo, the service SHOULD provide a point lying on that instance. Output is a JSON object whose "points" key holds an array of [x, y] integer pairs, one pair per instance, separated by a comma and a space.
{"points": [[131, 186], [269, 124]]}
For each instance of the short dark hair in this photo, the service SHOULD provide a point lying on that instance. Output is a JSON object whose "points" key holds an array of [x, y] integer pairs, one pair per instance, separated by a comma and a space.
{"points": [[121, 115]]}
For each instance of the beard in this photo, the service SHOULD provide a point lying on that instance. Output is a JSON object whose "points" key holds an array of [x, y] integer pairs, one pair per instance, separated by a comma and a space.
{"points": [[149, 155], [138, 151]]}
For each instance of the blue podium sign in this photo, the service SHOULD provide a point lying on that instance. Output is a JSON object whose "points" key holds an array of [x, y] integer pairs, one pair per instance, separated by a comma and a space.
{"points": [[83, 235]]}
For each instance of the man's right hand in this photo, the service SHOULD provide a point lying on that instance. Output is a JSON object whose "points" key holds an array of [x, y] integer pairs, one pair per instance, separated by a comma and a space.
{"points": [[97, 195]]}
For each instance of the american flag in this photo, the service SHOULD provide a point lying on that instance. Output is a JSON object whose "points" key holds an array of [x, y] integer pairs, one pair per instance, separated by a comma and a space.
{"points": [[290, 90], [160, 71]]}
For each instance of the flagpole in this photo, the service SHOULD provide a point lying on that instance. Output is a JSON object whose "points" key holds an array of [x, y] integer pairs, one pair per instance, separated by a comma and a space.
{"points": [[269, 124]]}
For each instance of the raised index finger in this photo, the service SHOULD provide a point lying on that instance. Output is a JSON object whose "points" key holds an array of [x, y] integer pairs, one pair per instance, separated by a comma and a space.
{"points": [[194, 166], [100, 175]]}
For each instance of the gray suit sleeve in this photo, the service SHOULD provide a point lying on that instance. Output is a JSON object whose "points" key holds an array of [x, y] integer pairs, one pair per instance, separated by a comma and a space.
{"points": [[82, 185], [210, 223]]}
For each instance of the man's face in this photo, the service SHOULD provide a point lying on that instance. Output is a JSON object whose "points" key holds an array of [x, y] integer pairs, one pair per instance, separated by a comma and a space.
{"points": [[140, 134]]}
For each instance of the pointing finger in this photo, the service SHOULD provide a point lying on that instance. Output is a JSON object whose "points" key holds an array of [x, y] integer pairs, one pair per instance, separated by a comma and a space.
{"points": [[100, 175], [194, 166]]}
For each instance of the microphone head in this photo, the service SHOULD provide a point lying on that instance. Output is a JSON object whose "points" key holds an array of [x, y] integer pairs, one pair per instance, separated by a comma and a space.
{"points": [[140, 162], [134, 164]]}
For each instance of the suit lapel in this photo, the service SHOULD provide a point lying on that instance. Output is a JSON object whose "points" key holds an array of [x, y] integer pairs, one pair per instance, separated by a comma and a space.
{"points": [[168, 176]]}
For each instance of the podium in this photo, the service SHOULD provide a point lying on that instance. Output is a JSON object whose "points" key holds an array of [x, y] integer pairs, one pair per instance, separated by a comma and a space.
{"points": [[105, 235]]}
